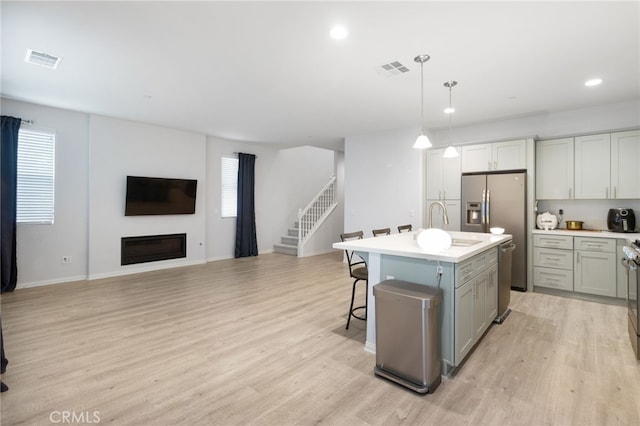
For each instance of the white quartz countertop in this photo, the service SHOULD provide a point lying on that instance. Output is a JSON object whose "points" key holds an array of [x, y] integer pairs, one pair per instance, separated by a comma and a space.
{"points": [[405, 244], [591, 233]]}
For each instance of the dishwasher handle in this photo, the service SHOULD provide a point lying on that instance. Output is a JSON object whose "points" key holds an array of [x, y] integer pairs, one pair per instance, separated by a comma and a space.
{"points": [[507, 247]]}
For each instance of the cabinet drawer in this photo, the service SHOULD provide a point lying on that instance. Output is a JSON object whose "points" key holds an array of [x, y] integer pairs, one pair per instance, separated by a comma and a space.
{"points": [[553, 258], [595, 244], [553, 278], [553, 241], [472, 267]]}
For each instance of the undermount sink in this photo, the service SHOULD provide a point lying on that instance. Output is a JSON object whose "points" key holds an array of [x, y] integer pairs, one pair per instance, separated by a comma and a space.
{"points": [[461, 242]]}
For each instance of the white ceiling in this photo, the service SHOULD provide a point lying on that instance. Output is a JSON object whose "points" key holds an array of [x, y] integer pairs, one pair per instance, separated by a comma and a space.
{"points": [[268, 71]]}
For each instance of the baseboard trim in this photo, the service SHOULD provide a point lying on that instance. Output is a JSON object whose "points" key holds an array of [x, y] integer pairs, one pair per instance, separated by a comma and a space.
{"points": [[51, 282]]}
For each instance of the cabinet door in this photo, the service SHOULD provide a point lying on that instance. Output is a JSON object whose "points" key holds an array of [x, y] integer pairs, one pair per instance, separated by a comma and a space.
{"points": [[592, 156], [491, 306], [625, 158], [554, 169], [451, 181], [464, 336], [595, 273], [509, 155], [477, 158], [434, 174], [479, 303], [442, 175]]}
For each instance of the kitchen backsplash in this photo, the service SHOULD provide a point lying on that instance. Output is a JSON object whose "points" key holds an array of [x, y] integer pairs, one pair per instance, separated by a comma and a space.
{"points": [[592, 212]]}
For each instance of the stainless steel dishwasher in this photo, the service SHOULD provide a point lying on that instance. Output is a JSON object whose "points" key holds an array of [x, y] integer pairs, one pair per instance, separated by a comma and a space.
{"points": [[504, 280], [407, 334]]}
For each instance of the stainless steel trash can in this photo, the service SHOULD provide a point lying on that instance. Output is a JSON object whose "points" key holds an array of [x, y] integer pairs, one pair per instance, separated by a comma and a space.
{"points": [[407, 334]]}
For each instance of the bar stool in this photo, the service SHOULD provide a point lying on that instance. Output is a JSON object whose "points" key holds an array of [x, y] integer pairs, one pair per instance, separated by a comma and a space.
{"points": [[403, 228], [382, 231], [359, 272]]}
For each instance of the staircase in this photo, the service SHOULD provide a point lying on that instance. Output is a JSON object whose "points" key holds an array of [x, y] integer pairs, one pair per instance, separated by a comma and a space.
{"points": [[309, 220]]}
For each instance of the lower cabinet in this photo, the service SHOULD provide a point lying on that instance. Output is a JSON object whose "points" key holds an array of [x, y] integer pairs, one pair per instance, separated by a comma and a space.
{"points": [[580, 264], [595, 272], [476, 304]]}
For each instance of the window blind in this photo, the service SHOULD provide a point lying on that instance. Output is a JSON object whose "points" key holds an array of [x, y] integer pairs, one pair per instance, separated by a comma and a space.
{"points": [[229, 187], [36, 176]]}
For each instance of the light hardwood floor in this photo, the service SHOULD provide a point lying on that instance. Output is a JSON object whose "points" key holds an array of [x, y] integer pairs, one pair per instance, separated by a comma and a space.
{"points": [[262, 341]]}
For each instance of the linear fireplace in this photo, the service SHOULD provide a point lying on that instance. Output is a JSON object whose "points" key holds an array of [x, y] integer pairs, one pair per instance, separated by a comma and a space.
{"points": [[151, 248]]}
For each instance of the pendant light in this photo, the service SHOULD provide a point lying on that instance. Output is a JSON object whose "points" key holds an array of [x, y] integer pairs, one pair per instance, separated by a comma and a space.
{"points": [[451, 151], [423, 141]]}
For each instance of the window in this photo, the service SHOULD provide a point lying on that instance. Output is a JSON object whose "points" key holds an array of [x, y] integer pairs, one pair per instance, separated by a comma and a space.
{"points": [[36, 172], [229, 186]]}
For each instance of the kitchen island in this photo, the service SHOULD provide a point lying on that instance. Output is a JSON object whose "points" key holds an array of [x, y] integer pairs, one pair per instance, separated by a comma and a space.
{"points": [[466, 273]]}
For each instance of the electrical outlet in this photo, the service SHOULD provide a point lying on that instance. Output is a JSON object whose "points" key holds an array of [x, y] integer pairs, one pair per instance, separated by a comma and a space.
{"points": [[390, 277], [440, 270], [66, 259]]}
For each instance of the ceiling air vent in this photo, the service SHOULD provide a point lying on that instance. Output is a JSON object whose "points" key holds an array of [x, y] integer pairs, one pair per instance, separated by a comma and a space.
{"points": [[43, 59], [393, 68]]}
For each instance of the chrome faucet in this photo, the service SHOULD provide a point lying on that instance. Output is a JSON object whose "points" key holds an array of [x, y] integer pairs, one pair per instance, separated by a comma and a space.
{"points": [[445, 215]]}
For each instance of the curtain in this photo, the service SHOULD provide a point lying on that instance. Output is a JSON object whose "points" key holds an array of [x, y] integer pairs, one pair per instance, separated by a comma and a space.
{"points": [[246, 241], [8, 201]]}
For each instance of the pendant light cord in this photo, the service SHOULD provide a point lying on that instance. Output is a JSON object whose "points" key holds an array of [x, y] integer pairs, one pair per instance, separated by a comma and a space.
{"points": [[422, 97]]}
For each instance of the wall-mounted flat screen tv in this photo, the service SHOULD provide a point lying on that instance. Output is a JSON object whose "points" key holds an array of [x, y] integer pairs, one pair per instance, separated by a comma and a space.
{"points": [[159, 196]]}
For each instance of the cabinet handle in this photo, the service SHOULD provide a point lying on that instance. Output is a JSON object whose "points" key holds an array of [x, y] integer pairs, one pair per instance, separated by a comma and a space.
{"points": [[569, 193], [578, 257], [489, 164], [495, 164]]}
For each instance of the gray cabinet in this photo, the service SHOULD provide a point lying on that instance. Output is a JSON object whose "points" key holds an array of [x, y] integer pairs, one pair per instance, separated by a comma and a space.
{"points": [[553, 261], [554, 169], [595, 266], [476, 300], [625, 157], [592, 167], [507, 155]]}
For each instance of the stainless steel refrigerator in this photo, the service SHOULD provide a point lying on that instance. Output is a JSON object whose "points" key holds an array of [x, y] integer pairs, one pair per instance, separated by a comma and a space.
{"points": [[499, 199]]}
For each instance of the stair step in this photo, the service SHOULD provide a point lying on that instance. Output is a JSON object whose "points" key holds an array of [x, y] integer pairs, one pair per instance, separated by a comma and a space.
{"points": [[289, 240], [285, 249], [293, 232]]}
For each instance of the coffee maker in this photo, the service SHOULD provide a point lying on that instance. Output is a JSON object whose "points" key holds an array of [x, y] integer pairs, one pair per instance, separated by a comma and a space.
{"points": [[621, 220]]}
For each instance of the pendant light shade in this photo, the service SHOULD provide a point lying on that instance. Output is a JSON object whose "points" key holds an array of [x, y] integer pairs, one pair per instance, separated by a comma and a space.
{"points": [[451, 151], [422, 142]]}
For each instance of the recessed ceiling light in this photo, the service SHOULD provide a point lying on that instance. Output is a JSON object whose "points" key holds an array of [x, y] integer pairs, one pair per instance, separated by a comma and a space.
{"points": [[593, 82], [338, 33]]}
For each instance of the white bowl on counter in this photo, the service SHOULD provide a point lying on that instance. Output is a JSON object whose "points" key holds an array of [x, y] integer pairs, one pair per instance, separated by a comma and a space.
{"points": [[496, 230]]}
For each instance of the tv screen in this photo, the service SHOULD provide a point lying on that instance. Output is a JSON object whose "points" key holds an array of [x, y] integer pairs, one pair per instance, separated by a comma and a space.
{"points": [[158, 196]]}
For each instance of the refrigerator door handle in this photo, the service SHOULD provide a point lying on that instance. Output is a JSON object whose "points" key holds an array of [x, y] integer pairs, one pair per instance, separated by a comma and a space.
{"points": [[483, 207], [487, 216]]}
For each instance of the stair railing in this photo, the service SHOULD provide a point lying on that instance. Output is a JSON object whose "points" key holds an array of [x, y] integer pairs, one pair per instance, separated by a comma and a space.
{"points": [[310, 218]]}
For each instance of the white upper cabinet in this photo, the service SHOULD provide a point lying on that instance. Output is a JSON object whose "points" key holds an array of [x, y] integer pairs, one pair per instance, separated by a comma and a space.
{"points": [[443, 176], [554, 169], [508, 155], [592, 159], [625, 161]]}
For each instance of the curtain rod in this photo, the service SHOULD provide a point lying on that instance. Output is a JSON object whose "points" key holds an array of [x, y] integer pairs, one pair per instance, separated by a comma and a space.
{"points": [[236, 153], [23, 121]]}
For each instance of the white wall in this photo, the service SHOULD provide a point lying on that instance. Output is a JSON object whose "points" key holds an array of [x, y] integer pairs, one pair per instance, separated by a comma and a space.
{"points": [[592, 212], [120, 148], [221, 231], [94, 154], [383, 181], [40, 247], [286, 180]]}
